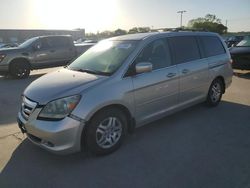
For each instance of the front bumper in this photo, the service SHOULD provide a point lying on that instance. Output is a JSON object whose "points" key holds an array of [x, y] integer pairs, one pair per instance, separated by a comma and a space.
{"points": [[60, 137], [4, 69]]}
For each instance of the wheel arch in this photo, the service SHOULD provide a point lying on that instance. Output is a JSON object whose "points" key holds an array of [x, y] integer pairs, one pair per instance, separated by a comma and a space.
{"points": [[20, 59], [124, 109]]}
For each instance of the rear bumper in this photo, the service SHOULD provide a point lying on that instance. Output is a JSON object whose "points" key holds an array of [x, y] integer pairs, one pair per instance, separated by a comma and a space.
{"points": [[228, 82], [60, 137]]}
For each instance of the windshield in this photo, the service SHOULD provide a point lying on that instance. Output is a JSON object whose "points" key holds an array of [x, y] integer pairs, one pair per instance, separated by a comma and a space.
{"points": [[245, 42], [105, 57], [28, 42]]}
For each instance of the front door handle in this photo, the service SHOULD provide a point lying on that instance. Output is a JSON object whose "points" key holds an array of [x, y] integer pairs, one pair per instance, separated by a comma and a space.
{"points": [[185, 71], [170, 75]]}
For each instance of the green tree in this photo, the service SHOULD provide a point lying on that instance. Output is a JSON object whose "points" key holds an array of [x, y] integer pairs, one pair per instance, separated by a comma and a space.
{"points": [[210, 23], [120, 32], [144, 29], [139, 30], [133, 30], [105, 34]]}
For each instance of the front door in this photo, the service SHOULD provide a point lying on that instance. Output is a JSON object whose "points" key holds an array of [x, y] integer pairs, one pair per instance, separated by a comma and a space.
{"points": [[42, 55], [155, 92]]}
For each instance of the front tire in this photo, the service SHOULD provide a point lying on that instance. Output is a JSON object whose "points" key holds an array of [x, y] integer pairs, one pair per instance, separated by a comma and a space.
{"points": [[106, 131], [215, 93], [19, 70]]}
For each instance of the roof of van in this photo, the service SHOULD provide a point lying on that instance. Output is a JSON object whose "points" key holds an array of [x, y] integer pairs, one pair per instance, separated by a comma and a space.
{"points": [[142, 36]]}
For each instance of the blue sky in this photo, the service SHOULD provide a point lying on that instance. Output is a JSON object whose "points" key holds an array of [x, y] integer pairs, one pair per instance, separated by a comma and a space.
{"points": [[99, 15]]}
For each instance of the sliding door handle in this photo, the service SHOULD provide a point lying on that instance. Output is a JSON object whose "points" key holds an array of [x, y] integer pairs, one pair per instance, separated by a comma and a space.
{"points": [[170, 75], [185, 71]]}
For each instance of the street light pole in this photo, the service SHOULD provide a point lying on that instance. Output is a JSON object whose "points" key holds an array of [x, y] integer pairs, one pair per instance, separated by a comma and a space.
{"points": [[181, 12]]}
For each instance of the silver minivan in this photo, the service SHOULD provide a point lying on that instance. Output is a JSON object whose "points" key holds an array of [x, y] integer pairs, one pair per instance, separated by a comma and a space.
{"points": [[122, 83]]}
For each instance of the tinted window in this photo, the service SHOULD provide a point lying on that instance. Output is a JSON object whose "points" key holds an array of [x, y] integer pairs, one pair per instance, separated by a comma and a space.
{"points": [[41, 44], [156, 53], [212, 46], [58, 41], [44, 43], [185, 48]]}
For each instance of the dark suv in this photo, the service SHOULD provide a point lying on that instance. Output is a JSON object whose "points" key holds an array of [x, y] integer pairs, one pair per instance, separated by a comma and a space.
{"points": [[35, 53]]}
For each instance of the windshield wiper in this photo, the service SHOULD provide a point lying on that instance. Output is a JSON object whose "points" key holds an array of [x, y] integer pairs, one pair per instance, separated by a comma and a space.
{"points": [[90, 71]]}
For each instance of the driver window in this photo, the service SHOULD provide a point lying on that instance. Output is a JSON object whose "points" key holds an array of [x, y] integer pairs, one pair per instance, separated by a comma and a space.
{"points": [[41, 44], [37, 45], [156, 53]]}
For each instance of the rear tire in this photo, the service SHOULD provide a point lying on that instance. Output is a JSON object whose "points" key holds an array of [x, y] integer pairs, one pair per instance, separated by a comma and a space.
{"points": [[215, 93], [19, 70], [106, 131]]}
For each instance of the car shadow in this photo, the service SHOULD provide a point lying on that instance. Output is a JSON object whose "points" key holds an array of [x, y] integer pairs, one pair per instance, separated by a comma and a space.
{"points": [[245, 75], [198, 147]]}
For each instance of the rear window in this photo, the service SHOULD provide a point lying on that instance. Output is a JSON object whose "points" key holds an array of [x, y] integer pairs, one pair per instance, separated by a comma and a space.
{"points": [[185, 48], [212, 46]]}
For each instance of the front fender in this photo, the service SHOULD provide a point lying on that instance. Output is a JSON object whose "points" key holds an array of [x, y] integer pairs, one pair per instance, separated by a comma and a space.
{"points": [[106, 94]]}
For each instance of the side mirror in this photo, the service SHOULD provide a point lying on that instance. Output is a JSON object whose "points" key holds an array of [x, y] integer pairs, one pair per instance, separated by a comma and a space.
{"points": [[143, 67], [37, 47]]}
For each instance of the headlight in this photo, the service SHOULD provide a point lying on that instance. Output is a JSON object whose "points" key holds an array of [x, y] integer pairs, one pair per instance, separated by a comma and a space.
{"points": [[2, 56], [60, 108]]}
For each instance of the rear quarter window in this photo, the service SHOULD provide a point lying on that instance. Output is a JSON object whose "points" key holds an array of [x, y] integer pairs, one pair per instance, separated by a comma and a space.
{"points": [[184, 48], [212, 46]]}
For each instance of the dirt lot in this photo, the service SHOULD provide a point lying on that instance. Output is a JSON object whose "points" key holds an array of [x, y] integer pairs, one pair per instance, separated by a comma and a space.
{"points": [[197, 147]]}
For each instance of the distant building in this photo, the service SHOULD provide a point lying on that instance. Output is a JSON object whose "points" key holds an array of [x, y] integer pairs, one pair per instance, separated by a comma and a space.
{"points": [[20, 35]]}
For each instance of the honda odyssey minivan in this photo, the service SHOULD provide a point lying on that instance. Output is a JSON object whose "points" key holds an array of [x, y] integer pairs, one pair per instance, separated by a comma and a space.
{"points": [[120, 84]]}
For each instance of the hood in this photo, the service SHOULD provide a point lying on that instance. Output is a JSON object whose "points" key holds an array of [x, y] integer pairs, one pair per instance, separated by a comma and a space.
{"points": [[10, 50], [239, 50], [61, 83]]}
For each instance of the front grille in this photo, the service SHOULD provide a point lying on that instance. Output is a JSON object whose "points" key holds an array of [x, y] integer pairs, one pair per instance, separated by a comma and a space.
{"points": [[39, 140], [27, 108], [34, 138]]}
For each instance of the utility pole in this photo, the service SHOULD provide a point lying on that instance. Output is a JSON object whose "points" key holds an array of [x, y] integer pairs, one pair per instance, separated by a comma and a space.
{"points": [[181, 12]]}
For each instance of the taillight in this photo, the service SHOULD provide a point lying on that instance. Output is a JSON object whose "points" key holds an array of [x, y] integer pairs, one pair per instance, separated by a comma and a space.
{"points": [[230, 63], [2, 56]]}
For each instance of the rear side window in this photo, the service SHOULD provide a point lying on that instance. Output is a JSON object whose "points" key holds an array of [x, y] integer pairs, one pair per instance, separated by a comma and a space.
{"points": [[212, 46], [184, 48]]}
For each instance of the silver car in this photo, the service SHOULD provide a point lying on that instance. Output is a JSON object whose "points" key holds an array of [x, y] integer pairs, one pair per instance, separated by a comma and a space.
{"points": [[123, 83]]}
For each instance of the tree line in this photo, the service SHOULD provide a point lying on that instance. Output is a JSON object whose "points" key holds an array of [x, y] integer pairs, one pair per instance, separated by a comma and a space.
{"points": [[209, 22], [117, 32]]}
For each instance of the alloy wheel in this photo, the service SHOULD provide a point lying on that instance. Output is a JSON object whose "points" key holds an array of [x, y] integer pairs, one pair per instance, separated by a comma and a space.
{"points": [[216, 92], [108, 132]]}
